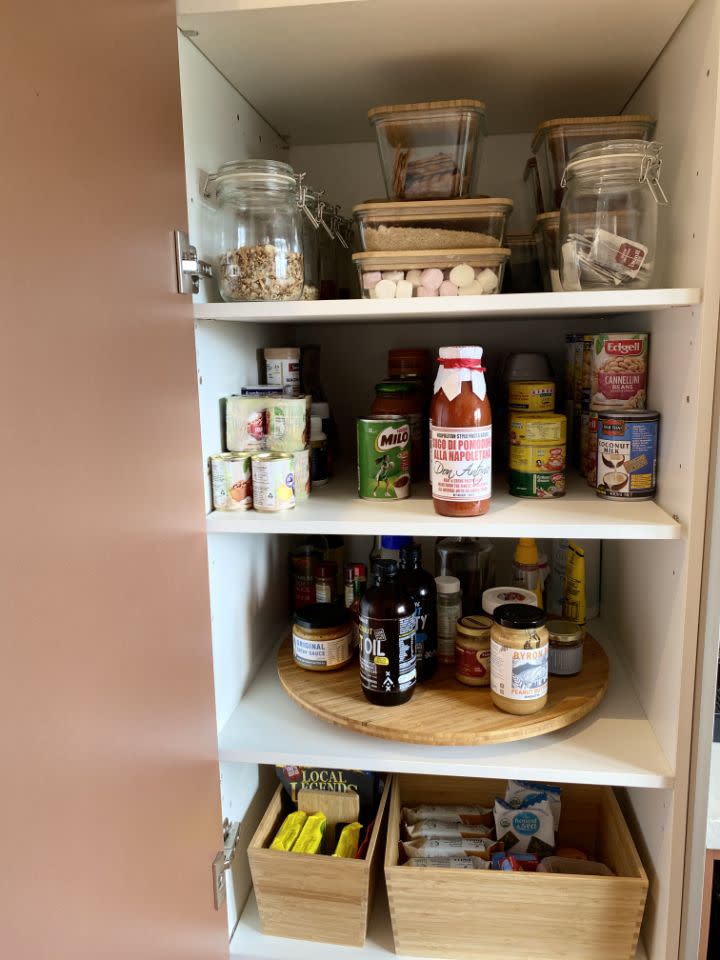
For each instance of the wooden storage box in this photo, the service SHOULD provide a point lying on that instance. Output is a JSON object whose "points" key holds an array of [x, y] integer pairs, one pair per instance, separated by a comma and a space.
{"points": [[513, 916], [321, 898]]}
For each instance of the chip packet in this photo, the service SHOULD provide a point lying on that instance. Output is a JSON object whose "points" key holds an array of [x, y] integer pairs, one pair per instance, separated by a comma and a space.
{"points": [[311, 837], [347, 845], [519, 793], [289, 831], [526, 829]]}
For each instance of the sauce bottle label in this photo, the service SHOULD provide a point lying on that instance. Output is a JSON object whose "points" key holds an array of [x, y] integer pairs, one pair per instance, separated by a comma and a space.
{"points": [[461, 462], [518, 674], [387, 654]]}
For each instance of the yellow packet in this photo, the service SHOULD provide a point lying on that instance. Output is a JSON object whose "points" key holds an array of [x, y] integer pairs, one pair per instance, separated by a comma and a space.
{"points": [[574, 598], [347, 845], [311, 837], [289, 831]]}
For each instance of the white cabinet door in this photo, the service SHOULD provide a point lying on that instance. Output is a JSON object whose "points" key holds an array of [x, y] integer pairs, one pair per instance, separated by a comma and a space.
{"points": [[109, 797]]}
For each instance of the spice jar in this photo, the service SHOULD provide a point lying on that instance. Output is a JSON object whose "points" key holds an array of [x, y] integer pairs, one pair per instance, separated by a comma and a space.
{"points": [[404, 398], [565, 655], [326, 581], [322, 637], [519, 659], [472, 651], [608, 218], [258, 235], [449, 611]]}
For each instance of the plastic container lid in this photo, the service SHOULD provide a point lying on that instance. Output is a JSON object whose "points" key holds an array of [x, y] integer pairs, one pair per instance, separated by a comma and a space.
{"points": [[395, 543], [446, 585], [319, 616], [468, 209], [475, 625], [519, 616], [557, 127], [419, 259], [498, 596], [527, 366], [526, 552], [282, 353]]}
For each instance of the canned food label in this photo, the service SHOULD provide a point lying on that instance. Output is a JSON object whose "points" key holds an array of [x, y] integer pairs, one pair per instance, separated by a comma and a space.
{"points": [[540, 485], [518, 674], [531, 396], [537, 458], [546, 429], [231, 483], [472, 663], [273, 484], [384, 459], [619, 372], [626, 458], [387, 654], [285, 372], [329, 653], [461, 462]]}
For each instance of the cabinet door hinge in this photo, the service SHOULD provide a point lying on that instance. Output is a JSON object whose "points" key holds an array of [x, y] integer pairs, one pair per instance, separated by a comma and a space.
{"points": [[190, 271], [223, 861]]}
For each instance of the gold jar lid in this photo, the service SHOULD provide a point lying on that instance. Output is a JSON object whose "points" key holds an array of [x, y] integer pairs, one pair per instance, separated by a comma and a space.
{"points": [[476, 625]]}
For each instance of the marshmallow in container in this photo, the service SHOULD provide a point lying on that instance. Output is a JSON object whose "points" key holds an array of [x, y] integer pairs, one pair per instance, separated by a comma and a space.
{"points": [[464, 274]]}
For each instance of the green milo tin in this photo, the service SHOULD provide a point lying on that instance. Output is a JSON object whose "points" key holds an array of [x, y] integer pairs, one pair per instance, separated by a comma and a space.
{"points": [[542, 486], [383, 452]]}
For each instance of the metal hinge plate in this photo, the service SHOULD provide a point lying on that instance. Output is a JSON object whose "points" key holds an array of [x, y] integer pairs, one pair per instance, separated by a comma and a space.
{"points": [[190, 271], [223, 861]]}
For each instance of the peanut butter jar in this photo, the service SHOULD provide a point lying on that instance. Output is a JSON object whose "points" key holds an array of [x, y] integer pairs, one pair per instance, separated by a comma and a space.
{"points": [[472, 650], [519, 643]]}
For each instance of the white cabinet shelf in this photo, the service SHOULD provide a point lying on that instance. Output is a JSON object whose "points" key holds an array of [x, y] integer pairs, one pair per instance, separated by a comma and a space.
{"points": [[249, 942], [614, 745], [521, 305], [337, 509]]}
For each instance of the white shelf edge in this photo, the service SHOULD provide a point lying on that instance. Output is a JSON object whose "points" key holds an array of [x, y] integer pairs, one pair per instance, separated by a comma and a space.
{"points": [[615, 745], [337, 509], [250, 943], [503, 305]]}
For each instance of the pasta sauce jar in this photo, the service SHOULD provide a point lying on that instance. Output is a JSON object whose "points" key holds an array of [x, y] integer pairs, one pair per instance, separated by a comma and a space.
{"points": [[460, 435]]}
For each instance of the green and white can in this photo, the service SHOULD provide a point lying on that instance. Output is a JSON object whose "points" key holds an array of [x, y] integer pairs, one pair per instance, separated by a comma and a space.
{"points": [[383, 452], [542, 486]]}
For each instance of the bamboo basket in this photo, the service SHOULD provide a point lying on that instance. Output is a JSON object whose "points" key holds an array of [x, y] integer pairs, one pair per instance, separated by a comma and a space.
{"points": [[513, 916], [320, 898]]}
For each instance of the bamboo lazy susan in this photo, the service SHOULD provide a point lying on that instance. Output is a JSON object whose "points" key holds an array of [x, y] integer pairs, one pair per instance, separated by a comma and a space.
{"points": [[443, 711]]}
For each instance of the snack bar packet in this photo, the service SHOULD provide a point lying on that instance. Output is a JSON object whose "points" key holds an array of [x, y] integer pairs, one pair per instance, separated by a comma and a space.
{"points": [[311, 837], [450, 814], [443, 829], [528, 862], [347, 845], [455, 863], [460, 847], [522, 793], [526, 830], [289, 831]]}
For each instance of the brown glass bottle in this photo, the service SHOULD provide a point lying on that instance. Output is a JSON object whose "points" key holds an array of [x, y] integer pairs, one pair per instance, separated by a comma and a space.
{"points": [[421, 586], [387, 638]]}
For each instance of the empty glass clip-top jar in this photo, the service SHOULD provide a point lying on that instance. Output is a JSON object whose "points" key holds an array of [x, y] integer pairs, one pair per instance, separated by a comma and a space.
{"points": [[258, 248], [608, 218]]}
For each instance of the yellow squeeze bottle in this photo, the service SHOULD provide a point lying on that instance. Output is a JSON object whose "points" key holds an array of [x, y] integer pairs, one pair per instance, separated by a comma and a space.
{"points": [[526, 568], [574, 597]]}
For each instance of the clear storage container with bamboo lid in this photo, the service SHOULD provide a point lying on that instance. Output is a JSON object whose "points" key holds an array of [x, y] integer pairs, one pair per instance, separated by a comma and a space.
{"points": [[555, 141], [547, 238], [431, 273], [431, 150], [432, 224]]}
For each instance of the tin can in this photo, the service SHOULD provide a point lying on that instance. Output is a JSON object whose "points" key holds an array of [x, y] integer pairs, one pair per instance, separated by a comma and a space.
{"points": [[301, 460], [591, 462], [383, 449], [627, 454], [245, 422], [231, 481], [542, 486], [544, 428], [273, 478], [619, 371], [537, 457], [288, 424], [535, 396]]}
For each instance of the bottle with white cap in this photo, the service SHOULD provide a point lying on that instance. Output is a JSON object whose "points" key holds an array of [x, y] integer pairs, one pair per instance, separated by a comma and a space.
{"points": [[449, 611], [319, 468]]}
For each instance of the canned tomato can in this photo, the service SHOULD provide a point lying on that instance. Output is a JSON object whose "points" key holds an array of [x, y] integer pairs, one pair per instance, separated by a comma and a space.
{"points": [[231, 478], [273, 478], [627, 445], [537, 457], [383, 451], [535, 396], [544, 428], [541, 486]]}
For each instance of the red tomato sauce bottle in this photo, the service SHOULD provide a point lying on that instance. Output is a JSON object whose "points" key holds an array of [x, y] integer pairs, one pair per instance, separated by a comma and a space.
{"points": [[460, 435]]}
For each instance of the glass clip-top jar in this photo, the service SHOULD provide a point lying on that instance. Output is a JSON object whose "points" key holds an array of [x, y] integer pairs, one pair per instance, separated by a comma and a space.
{"points": [[258, 248], [308, 201], [608, 218]]}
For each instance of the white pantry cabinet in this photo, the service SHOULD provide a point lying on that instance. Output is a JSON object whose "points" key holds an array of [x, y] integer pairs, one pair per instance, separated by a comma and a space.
{"points": [[116, 627]]}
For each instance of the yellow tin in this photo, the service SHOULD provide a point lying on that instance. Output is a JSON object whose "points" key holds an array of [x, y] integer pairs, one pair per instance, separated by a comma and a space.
{"points": [[535, 396], [537, 457], [544, 428]]}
